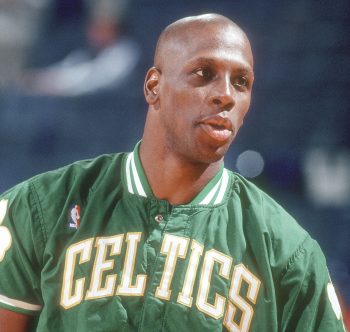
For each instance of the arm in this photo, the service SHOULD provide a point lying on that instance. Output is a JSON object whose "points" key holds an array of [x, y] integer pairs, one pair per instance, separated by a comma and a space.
{"points": [[309, 302], [19, 266], [14, 322]]}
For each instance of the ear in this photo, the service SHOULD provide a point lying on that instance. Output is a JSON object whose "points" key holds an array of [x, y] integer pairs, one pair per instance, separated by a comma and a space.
{"points": [[151, 85]]}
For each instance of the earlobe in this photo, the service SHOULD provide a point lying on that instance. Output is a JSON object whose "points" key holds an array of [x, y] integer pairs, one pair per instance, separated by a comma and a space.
{"points": [[151, 85]]}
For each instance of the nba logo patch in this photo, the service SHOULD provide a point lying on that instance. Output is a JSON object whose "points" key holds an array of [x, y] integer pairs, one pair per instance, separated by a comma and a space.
{"points": [[74, 216]]}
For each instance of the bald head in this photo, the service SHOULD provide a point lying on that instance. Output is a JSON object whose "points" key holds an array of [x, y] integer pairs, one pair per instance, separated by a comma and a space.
{"points": [[203, 73], [182, 33]]}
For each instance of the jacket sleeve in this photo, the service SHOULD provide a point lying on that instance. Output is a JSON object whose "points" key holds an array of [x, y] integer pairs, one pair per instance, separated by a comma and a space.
{"points": [[308, 299], [21, 250]]}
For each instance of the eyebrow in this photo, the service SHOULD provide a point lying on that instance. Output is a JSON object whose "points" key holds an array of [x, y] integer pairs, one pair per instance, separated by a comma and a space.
{"points": [[244, 69]]}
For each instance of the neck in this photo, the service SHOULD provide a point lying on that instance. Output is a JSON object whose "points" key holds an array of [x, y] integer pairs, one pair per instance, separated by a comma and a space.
{"points": [[172, 177]]}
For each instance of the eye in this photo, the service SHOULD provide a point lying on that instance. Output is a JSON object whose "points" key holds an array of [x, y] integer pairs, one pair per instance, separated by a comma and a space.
{"points": [[241, 82], [205, 73]]}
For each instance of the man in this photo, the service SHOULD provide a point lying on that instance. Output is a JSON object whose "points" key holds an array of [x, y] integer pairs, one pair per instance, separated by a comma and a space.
{"points": [[165, 238]]}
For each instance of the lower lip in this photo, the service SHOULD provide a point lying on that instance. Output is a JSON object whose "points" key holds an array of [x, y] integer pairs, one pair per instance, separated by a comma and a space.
{"points": [[216, 133]]}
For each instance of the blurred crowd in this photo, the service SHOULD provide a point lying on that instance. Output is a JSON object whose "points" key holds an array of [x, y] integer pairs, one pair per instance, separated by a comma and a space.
{"points": [[68, 48]]}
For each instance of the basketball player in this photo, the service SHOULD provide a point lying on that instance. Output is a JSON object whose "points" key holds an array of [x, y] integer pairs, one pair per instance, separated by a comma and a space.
{"points": [[165, 238]]}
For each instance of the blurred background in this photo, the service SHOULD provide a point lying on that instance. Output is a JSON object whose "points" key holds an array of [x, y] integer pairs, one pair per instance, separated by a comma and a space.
{"points": [[71, 80]]}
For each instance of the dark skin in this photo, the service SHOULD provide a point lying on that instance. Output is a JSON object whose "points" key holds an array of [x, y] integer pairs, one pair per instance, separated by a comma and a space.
{"points": [[198, 93], [14, 322]]}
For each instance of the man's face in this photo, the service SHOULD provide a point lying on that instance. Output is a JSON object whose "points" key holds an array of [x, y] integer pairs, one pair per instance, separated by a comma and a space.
{"points": [[205, 91]]}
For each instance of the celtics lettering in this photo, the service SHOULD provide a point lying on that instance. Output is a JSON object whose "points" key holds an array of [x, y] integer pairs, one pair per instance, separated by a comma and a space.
{"points": [[103, 253]]}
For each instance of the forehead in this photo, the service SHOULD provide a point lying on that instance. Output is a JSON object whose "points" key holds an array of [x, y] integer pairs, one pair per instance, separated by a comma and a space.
{"points": [[217, 43]]}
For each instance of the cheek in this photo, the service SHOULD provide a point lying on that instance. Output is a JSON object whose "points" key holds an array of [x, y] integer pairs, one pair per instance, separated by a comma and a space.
{"points": [[172, 98], [242, 110], [184, 100], [182, 104], [244, 104]]}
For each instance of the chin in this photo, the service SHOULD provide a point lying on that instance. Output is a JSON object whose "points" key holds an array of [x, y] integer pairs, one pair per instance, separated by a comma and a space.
{"points": [[213, 155], [217, 157], [203, 152], [218, 152]]}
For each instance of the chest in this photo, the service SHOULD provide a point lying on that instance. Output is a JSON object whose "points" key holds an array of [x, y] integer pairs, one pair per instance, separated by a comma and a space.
{"points": [[147, 264]]}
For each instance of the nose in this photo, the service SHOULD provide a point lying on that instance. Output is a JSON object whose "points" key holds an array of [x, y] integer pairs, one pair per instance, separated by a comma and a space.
{"points": [[223, 94]]}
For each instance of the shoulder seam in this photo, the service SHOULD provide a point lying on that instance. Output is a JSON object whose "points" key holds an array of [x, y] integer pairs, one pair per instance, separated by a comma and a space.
{"points": [[292, 259], [234, 183], [39, 209]]}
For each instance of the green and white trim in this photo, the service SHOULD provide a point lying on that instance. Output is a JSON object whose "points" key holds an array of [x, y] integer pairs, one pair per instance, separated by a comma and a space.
{"points": [[19, 304], [132, 177], [217, 193], [213, 193]]}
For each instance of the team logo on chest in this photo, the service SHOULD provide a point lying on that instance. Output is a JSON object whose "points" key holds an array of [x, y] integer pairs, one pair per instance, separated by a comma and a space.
{"points": [[235, 305], [74, 216]]}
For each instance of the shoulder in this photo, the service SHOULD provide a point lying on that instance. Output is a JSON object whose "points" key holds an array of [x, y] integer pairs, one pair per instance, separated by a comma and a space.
{"points": [[269, 212], [89, 171], [84, 172], [81, 176], [268, 225], [52, 190]]}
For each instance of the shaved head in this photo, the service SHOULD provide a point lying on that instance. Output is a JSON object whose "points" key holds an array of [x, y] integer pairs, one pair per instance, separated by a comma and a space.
{"points": [[199, 88], [182, 32]]}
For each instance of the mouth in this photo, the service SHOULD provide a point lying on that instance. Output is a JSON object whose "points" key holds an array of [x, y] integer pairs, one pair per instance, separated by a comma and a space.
{"points": [[217, 127]]}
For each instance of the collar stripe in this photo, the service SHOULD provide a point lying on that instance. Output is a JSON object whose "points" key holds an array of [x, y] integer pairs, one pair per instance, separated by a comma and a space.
{"points": [[217, 191], [128, 177], [224, 183], [19, 304], [207, 199], [137, 180]]}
